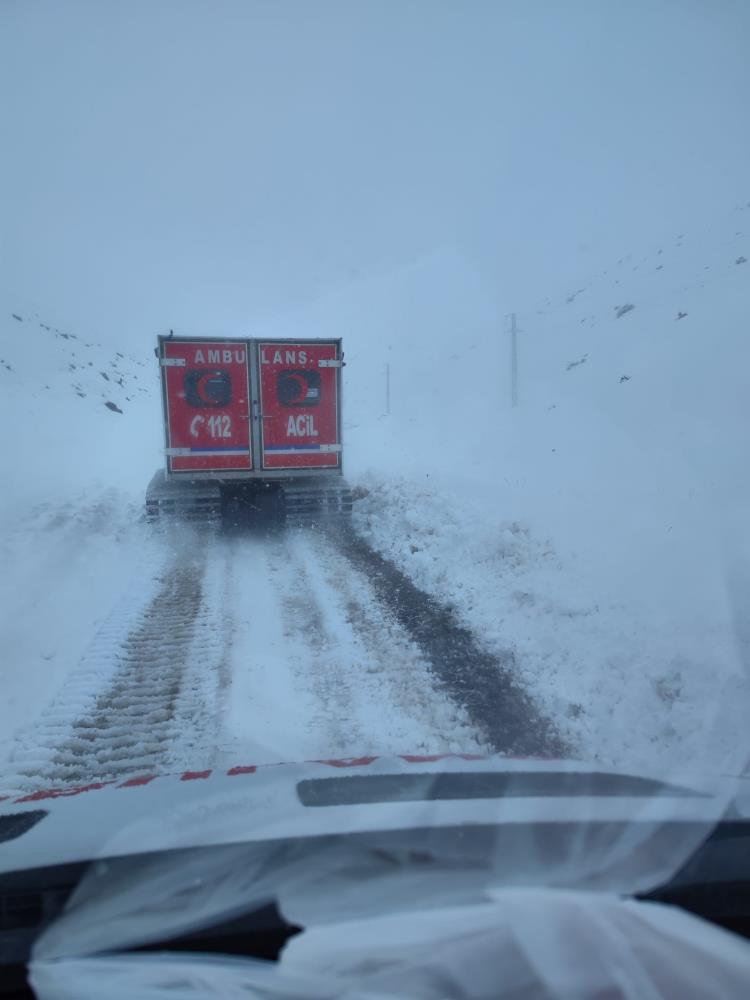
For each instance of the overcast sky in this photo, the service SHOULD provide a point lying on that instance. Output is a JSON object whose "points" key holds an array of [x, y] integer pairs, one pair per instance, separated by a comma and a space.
{"points": [[205, 165]]}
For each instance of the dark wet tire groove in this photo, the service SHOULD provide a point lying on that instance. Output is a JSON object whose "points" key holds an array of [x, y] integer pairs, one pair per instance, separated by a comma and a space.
{"points": [[484, 683]]}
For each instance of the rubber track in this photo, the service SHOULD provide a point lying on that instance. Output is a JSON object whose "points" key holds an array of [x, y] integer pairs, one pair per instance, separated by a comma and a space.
{"points": [[148, 705]]}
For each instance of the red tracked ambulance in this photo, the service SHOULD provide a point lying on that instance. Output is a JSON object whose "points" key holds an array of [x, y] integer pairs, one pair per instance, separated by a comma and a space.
{"points": [[251, 427]]}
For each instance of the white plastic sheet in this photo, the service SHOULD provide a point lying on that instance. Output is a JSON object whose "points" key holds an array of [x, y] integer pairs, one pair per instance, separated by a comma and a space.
{"points": [[523, 943], [528, 905]]}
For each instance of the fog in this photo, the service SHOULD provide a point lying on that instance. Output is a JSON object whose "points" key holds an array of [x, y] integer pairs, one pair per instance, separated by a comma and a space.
{"points": [[401, 175], [207, 166]]}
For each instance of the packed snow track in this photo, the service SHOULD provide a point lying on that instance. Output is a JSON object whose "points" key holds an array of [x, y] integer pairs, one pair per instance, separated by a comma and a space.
{"points": [[253, 649]]}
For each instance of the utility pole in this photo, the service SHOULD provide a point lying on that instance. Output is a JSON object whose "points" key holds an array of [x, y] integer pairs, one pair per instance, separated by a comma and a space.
{"points": [[387, 389], [514, 331]]}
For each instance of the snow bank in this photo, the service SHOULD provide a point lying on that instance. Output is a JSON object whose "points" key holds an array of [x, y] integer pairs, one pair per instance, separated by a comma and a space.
{"points": [[67, 566]]}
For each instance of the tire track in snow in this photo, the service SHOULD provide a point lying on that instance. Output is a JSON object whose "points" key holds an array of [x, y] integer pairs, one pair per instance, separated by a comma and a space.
{"points": [[373, 685], [481, 682], [311, 642], [328, 674], [146, 693]]}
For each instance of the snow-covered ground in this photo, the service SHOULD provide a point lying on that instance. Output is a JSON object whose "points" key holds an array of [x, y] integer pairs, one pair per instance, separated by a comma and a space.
{"points": [[594, 536], [598, 529], [225, 650], [626, 681], [67, 565], [70, 537]]}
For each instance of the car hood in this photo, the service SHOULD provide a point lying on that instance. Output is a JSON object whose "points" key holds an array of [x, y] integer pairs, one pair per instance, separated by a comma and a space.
{"points": [[424, 874], [269, 803]]}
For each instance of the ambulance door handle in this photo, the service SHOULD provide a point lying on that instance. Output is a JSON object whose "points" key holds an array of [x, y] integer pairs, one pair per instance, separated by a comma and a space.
{"points": [[257, 415]]}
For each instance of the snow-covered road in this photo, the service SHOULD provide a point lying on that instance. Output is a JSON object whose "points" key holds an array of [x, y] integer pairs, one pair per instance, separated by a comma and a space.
{"points": [[263, 648]]}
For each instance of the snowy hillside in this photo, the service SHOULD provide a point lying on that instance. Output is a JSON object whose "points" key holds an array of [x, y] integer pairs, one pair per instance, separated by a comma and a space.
{"points": [[78, 414], [573, 536]]}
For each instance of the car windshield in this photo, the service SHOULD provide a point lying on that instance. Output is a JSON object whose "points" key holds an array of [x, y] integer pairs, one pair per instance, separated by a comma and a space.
{"points": [[373, 383]]}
